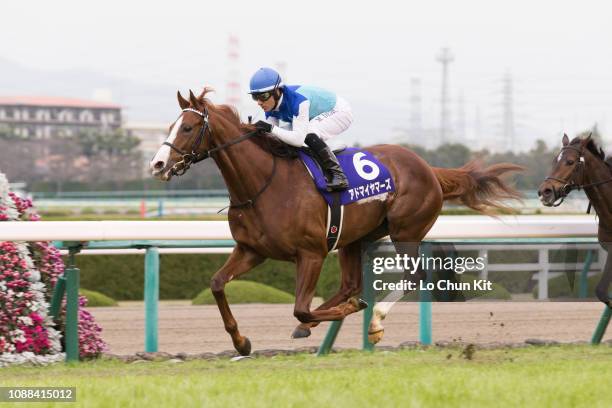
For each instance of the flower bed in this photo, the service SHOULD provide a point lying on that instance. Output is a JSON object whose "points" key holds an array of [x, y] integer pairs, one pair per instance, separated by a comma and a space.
{"points": [[28, 273]]}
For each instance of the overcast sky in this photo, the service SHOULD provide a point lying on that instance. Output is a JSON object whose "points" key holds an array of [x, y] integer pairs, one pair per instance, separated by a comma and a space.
{"points": [[559, 56]]}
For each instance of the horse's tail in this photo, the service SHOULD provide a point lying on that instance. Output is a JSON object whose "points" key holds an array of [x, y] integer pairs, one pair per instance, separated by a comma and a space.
{"points": [[481, 189]]}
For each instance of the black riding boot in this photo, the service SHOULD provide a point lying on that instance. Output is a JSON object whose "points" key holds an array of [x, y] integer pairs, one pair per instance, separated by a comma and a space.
{"points": [[336, 180]]}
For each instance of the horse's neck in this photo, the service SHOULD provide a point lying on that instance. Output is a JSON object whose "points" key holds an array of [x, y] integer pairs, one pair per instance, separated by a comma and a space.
{"points": [[245, 167], [600, 196]]}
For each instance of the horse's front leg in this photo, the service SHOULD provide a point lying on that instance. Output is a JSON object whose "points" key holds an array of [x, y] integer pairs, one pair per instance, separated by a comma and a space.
{"points": [[240, 261]]}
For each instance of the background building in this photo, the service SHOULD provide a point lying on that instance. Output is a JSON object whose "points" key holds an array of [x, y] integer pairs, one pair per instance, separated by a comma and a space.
{"points": [[46, 117], [151, 136]]}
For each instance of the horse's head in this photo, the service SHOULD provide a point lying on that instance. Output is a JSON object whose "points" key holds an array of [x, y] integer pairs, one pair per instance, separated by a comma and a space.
{"points": [[567, 172], [185, 143]]}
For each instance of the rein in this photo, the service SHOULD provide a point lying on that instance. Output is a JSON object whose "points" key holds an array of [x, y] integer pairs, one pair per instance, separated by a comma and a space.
{"points": [[187, 159], [568, 184], [261, 190]]}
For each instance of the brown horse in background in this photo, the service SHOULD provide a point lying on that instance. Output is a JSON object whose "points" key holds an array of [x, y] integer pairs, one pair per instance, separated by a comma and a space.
{"points": [[276, 211], [582, 165]]}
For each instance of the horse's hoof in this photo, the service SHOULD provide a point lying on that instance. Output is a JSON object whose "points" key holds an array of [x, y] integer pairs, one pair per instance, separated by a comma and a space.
{"points": [[245, 349], [357, 303], [375, 337], [300, 333]]}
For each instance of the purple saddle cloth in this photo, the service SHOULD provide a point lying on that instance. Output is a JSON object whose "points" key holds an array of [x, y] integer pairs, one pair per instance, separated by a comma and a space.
{"points": [[367, 177]]}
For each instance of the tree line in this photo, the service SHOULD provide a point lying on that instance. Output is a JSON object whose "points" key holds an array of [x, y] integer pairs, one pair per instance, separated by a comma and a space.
{"points": [[537, 161], [88, 157], [113, 161]]}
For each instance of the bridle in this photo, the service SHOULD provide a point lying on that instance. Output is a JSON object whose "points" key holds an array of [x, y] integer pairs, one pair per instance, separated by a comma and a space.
{"points": [[569, 184], [189, 158]]}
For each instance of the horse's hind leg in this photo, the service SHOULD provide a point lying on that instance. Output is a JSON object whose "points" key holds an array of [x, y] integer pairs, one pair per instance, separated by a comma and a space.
{"points": [[408, 222], [240, 261], [382, 308], [603, 286], [350, 266], [308, 270]]}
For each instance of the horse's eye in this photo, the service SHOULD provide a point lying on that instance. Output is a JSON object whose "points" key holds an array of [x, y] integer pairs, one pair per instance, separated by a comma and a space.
{"points": [[570, 162], [187, 128]]}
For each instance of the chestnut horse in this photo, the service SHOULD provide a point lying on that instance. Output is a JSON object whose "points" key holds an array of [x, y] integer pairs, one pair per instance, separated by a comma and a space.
{"points": [[582, 165], [276, 211]]}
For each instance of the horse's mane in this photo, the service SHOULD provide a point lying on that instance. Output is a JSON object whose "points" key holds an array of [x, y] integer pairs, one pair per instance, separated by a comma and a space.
{"points": [[266, 142], [596, 150], [592, 147]]}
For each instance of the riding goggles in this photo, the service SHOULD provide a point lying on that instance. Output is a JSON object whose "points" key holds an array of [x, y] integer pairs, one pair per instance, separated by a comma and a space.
{"points": [[262, 96]]}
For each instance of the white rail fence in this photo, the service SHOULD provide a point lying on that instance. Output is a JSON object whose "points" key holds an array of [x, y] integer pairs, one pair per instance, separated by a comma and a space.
{"points": [[513, 228], [447, 227]]}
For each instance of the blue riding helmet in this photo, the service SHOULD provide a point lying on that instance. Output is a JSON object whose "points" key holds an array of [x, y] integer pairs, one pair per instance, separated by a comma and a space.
{"points": [[264, 80]]}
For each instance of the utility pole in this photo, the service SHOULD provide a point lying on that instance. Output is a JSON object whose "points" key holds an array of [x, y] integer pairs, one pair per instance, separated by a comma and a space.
{"points": [[460, 124], [508, 118], [416, 120], [478, 128], [281, 68], [445, 58]]}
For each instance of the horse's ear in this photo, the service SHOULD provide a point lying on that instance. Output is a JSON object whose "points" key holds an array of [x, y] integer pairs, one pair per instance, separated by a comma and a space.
{"points": [[194, 100], [183, 103], [565, 140], [587, 139]]}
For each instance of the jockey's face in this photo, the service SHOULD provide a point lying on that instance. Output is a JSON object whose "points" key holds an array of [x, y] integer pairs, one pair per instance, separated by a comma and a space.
{"points": [[269, 104]]}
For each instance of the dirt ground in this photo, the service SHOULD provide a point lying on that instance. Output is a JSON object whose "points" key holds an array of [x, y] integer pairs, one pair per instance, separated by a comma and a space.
{"points": [[197, 329]]}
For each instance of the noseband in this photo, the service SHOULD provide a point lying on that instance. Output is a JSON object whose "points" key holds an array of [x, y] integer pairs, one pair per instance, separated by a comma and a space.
{"points": [[569, 184]]}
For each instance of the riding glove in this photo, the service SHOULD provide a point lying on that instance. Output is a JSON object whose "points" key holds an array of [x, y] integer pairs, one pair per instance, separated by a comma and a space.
{"points": [[263, 126]]}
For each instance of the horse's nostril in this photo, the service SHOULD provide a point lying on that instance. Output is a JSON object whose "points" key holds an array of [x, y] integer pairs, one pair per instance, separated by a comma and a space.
{"points": [[547, 192], [159, 165]]}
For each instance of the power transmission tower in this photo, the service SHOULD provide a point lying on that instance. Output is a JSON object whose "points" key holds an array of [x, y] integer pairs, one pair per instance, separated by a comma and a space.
{"points": [[233, 95], [445, 58]]}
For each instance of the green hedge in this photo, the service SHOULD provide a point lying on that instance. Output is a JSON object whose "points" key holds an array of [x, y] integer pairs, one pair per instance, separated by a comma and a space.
{"points": [[184, 276], [246, 292], [559, 287], [97, 299], [497, 292]]}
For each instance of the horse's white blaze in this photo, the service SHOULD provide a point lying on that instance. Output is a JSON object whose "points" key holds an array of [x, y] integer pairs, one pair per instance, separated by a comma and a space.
{"points": [[163, 154]]}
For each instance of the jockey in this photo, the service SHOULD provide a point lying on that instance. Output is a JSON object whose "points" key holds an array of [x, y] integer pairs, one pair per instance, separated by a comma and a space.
{"points": [[309, 115]]}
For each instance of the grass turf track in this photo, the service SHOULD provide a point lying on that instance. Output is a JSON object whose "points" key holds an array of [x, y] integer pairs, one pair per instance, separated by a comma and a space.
{"points": [[556, 376]]}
